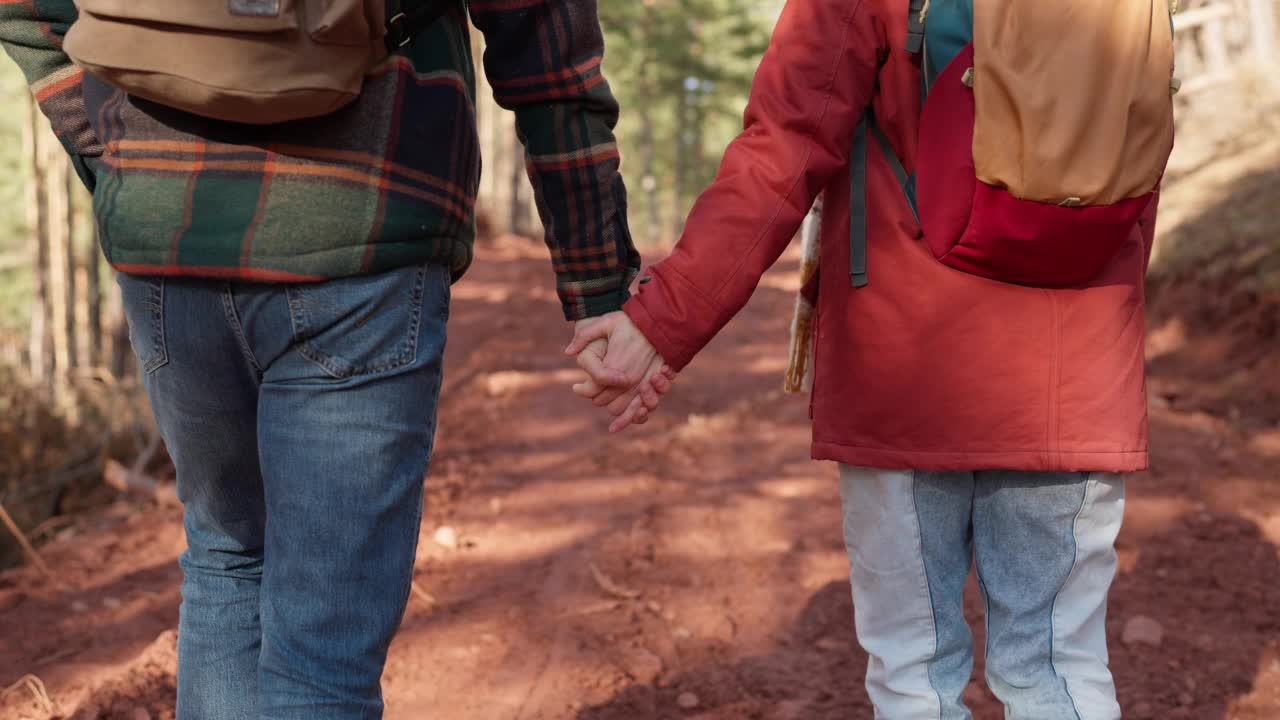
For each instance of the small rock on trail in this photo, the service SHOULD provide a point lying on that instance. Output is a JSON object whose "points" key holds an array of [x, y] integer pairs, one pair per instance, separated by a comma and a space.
{"points": [[1142, 630], [688, 700], [642, 665], [446, 537], [830, 644]]}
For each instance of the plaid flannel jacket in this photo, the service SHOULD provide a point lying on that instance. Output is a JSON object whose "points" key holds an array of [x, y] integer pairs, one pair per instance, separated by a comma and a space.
{"points": [[387, 181]]}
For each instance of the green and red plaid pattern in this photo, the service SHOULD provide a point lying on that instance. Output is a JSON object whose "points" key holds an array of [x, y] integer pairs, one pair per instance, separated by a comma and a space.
{"points": [[388, 181]]}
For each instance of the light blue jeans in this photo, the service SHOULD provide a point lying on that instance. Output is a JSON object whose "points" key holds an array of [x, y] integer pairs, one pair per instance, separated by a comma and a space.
{"points": [[300, 420], [1044, 548]]}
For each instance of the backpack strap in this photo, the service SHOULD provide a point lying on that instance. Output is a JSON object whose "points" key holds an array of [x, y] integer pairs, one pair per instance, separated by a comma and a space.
{"points": [[858, 205], [915, 25], [858, 192], [404, 23]]}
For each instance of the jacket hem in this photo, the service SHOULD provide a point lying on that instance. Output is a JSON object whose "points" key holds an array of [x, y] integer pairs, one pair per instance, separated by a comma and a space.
{"points": [[454, 253], [1122, 461]]}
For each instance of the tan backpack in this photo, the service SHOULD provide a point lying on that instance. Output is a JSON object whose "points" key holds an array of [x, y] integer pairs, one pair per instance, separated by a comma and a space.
{"points": [[1043, 138], [250, 61]]}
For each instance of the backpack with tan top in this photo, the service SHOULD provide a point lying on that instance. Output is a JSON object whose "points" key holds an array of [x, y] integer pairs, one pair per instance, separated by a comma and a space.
{"points": [[250, 61], [1045, 131], [1044, 135]]}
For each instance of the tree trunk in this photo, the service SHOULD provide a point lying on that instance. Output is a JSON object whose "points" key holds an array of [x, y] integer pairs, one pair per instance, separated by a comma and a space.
{"points": [[486, 114], [697, 134], [648, 183], [55, 188], [93, 296], [681, 163], [70, 185], [40, 350], [122, 360], [519, 211], [533, 219], [1262, 25], [500, 169]]}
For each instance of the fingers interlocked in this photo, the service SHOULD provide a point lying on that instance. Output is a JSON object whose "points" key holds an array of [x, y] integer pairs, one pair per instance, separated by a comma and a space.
{"points": [[624, 372]]}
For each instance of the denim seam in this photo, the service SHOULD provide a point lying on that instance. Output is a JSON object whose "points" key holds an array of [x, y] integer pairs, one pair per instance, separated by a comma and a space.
{"points": [[237, 329], [159, 344], [928, 589], [986, 615], [417, 525], [1075, 559]]}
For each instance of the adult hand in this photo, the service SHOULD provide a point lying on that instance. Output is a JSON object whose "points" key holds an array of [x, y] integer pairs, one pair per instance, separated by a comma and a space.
{"points": [[625, 373], [617, 403]]}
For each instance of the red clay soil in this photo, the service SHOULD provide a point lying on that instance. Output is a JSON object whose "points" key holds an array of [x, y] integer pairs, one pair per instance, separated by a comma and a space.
{"points": [[691, 569]]}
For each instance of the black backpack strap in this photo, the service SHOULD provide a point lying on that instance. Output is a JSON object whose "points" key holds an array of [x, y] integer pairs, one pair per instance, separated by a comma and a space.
{"points": [[406, 19], [858, 192], [915, 25], [858, 205]]}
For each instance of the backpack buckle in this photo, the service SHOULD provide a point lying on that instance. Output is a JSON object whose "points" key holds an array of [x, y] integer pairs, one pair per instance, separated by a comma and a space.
{"points": [[397, 34]]}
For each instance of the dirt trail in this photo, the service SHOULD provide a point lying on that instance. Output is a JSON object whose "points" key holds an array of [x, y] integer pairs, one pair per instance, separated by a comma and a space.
{"points": [[719, 572]]}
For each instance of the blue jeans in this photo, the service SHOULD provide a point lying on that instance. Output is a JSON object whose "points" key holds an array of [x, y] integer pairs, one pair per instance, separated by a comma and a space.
{"points": [[1044, 545], [300, 420]]}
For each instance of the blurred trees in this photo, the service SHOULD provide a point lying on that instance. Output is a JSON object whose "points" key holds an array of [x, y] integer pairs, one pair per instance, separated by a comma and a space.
{"points": [[682, 70], [48, 253]]}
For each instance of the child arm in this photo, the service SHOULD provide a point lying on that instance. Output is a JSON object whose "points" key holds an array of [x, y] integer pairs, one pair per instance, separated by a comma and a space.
{"points": [[813, 84]]}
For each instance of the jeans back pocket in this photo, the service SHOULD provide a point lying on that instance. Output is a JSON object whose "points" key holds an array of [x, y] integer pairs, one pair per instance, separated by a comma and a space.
{"points": [[364, 324]]}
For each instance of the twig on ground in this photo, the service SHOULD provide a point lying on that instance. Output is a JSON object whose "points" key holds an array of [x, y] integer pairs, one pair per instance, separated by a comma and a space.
{"points": [[55, 657], [50, 527], [423, 595], [146, 456], [603, 606], [26, 544], [610, 587], [36, 686], [96, 374], [126, 480]]}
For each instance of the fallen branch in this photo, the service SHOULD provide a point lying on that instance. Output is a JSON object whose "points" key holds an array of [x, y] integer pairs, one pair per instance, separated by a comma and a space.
{"points": [[55, 657], [51, 526], [610, 587], [26, 544], [36, 686], [134, 479], [127, 480], [147, 455]]}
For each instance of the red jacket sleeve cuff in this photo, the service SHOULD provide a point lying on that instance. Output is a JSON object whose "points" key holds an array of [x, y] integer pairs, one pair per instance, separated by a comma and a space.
{"points": [[674, 315]]}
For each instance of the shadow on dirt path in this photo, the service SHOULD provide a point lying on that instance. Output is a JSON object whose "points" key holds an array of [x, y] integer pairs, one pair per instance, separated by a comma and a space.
{"points": [[600, 578]]}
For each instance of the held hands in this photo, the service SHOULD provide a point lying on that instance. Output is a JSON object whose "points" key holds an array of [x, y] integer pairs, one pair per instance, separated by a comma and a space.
{"points": [[625, 373]]}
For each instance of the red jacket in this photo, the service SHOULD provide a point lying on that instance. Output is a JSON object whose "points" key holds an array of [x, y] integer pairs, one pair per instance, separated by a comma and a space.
{"points": [[926, 368]]}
